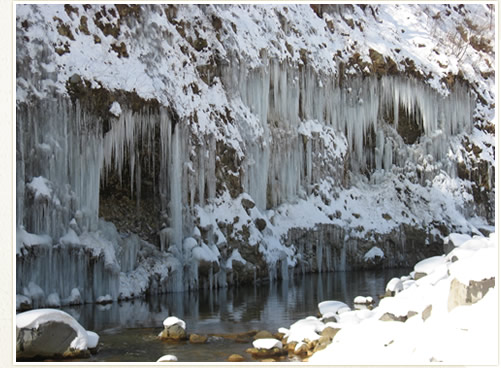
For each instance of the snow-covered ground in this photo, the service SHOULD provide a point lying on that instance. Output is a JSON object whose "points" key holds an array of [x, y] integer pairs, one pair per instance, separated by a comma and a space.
{"points": [[423, 323]]}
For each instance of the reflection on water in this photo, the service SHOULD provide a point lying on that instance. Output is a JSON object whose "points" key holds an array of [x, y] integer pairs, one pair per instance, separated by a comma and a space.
{"points": [[267, 306]]}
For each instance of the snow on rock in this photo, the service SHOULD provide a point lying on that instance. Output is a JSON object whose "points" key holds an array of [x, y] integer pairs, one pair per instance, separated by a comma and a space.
{"points": [[115, 109], [427, 265], [481, 265], [235, 257], [417, 325], [305, 329], [331, 306], [373, 253], [363, 300], [174, 329], [26, 239], [395, 285], [104, 299], [74, 298], [457, 239], [267, 344], [53, 300], [49, 332], [167, 358], [172, 321], [40, 187], [23, 302], [92, 339]]}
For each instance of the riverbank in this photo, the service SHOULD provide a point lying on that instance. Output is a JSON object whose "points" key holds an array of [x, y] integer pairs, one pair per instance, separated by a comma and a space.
{"points": [[445, 311]]}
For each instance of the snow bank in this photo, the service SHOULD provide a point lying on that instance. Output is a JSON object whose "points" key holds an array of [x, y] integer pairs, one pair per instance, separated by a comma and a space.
{"points": [[416, 327]]}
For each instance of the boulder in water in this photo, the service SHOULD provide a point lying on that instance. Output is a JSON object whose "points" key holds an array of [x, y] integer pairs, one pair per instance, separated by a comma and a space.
{"points": [[51, 333]]}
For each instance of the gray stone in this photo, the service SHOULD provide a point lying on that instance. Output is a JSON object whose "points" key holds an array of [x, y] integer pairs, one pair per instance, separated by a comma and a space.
{"points": [[426, 313], [391, 317], [330, 332], [260, 224], [460, 294], [51, 339]]}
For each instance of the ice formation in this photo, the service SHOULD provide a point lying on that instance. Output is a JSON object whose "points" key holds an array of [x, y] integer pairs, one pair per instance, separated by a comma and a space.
{"points": [[240, 148]]}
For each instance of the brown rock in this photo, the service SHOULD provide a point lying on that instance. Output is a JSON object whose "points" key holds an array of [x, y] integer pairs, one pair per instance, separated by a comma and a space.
{"points": [[391, 317], [235, 358], [426, 313], [290, 346], [263, 335], [330, 332], [303, 349], [198, 339]]}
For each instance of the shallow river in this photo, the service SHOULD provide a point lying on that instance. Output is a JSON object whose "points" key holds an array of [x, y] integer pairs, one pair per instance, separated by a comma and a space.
{"points": [[128, 330]]}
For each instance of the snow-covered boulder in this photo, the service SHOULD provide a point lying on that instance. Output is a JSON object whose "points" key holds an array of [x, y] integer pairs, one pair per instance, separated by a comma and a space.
{"points": [[174, 329], [268, 343], [427, 266], [266, 348], [367, 300], [394, 286], [51, 333], [331, 306], [167, 358]]}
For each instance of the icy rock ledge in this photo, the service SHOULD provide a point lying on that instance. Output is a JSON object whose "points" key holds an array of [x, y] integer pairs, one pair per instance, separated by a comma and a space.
{"points": [[51, 333]]}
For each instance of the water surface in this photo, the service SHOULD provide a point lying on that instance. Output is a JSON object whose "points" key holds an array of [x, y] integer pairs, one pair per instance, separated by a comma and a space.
{"points": [[129, 330]]}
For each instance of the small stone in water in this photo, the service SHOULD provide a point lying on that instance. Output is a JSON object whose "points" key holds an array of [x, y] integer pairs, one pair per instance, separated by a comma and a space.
{"points": [[235, 358]]}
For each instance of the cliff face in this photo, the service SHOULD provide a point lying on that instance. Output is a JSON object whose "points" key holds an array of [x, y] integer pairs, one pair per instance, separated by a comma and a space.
{"points": [[187, 146]]}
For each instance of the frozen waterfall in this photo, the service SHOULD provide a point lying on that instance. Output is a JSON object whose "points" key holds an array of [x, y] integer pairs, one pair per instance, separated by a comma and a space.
{"points": [[296, 129]]}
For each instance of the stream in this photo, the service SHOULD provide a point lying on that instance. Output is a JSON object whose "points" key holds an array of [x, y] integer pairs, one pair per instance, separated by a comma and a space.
{"points": [[128, 330]]}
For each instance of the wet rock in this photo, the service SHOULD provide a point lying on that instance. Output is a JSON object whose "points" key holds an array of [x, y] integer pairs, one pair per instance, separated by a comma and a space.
{"points": [[460, 294], [235, 358], [198, 339]]}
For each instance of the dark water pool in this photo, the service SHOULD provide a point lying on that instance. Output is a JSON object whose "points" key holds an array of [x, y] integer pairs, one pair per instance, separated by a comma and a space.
{"points": [[128, 330]]}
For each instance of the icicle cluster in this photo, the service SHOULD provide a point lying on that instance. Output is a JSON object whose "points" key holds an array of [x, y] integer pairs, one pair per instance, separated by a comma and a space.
{"points": [[296, 127]]}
